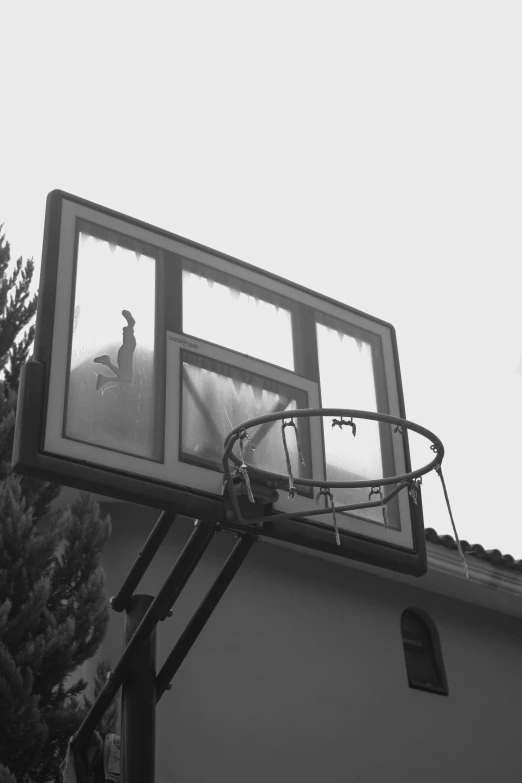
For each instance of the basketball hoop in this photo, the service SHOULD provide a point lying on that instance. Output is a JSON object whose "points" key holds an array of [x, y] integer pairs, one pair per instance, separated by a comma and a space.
{"points": [[410, 479]]}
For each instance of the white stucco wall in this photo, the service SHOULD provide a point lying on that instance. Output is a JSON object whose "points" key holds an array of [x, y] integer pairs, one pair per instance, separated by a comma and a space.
{"points": [[300, 675]]}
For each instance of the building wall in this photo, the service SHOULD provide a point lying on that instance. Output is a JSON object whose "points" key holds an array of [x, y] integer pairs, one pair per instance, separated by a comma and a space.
{"points": [[299, 674]]}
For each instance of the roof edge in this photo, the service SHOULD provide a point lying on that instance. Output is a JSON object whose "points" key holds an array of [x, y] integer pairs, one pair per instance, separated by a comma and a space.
{"points": [[488, 585]]}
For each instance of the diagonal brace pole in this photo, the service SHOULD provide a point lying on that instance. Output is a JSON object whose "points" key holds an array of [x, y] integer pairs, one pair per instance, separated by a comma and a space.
{"points": [[202, 614], [185, 564], [142, 562]]}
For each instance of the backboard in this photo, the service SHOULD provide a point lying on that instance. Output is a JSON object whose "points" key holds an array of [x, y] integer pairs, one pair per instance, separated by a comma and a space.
{"points": [[150, 348]]}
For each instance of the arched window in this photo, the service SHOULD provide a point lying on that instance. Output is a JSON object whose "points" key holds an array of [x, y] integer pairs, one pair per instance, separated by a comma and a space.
{"points": [[423, 654]]}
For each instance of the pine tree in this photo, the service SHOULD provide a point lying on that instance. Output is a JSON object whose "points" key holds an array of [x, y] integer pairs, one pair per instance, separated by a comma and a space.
{"points": [[53, 606]]}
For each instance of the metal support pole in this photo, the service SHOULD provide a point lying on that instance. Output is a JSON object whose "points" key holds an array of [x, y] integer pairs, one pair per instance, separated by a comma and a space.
{"points": [[202, 614], [138, 701], [142, 562], [184, 566]]}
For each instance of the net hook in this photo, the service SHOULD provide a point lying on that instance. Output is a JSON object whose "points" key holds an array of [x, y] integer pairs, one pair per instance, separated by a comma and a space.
{"points": [[378, 491], [243, 433], [342, 423], [414, 489], [243, 470], [327, 493], [291, 487]]}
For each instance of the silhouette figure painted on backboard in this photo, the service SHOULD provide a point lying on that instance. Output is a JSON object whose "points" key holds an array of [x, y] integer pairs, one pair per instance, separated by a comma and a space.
{"points": [[124, 372]]}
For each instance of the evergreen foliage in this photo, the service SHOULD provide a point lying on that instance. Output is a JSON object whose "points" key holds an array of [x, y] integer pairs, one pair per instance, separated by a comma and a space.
{"points": [[6, 776], [53, 606]]}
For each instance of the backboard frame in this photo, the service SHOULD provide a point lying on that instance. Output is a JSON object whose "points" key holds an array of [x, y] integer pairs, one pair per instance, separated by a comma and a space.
{"points": [[33, 456]]}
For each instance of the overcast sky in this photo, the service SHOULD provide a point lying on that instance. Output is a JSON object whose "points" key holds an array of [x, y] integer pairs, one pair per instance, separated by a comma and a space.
{"points": [[371, 151]]}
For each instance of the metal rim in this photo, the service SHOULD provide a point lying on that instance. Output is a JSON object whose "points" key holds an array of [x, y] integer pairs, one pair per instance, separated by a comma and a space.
{"points": [[260, 473]]}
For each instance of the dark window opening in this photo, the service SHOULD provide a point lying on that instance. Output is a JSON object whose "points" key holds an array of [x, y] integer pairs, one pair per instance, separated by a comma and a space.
{"points": [[423, 654]]}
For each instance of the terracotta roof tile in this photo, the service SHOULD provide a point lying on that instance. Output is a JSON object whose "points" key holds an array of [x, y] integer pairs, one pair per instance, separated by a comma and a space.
{"points": [[493, 556]]}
